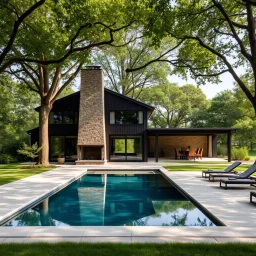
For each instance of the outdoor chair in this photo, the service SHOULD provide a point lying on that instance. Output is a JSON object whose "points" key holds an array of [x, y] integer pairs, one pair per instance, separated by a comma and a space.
{"points": [[244, 178], [199, 153], [229, 169], [177, 153], [192, 153]]}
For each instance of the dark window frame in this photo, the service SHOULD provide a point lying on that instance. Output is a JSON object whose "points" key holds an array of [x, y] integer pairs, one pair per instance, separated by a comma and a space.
{"points": [[117, 123], [61, 116]]}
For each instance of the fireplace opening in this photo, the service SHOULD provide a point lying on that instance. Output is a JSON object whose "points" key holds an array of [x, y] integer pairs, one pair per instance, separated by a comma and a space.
{"points": [[91, 153]]}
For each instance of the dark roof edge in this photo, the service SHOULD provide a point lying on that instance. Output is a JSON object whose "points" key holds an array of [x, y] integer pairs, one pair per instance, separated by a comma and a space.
{"points": [[130, 99], [189, 129], [29, 131], [115, 93], [65, 97]]}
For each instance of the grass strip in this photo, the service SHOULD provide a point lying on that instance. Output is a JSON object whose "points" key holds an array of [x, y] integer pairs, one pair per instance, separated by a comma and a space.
{"points": [[13, 172], [117, 249], [199, 168]]}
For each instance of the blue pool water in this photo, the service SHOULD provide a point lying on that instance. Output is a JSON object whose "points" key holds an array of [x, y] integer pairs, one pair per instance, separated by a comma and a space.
{"points": [[115, 200]]}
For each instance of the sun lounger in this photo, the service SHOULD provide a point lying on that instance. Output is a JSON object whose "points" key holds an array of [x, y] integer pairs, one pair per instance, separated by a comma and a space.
{"points": [[244, 178], [229, 169], [223, 175], [252, 194]]}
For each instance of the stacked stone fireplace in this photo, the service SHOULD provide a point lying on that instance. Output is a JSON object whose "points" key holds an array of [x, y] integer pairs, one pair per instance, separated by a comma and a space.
{"points": [[91, 128]]}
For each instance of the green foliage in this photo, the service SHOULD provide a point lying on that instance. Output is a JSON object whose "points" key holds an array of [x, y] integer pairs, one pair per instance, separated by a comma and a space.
{"points": [[174, 105], [17, 115], [222, 111], [222, 150], [120, 146], [134, 53], [30, 151], [7, 159], [239, 153]]}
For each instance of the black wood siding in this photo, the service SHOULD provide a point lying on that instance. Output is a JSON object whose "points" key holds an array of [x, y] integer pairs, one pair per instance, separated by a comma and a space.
{"points": [[112, 103]]}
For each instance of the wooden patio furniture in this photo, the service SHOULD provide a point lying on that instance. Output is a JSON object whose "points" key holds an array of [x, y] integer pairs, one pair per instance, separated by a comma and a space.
{"points": [[192, 153], [177, 154], [199, 153]]}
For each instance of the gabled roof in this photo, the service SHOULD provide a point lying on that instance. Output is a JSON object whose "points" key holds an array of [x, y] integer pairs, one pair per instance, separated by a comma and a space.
{"points": [[130, 99], [150, 108]]}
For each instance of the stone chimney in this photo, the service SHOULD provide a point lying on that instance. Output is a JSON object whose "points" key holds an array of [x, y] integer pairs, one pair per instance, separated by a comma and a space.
{"points": [[91, 127]]}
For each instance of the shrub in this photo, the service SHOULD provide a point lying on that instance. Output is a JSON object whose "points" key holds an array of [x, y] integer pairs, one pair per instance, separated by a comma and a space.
{"points": [[239, 153], [30, 151], [7, 159], [222, 150]]}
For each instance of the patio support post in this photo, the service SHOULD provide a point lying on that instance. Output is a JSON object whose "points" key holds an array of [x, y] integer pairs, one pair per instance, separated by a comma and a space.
{"points": [[156, 147], [229, 146], [214, 145]]}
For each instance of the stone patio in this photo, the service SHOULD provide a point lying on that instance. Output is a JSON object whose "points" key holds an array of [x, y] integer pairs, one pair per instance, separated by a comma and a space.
{"points": [[230, 206]]}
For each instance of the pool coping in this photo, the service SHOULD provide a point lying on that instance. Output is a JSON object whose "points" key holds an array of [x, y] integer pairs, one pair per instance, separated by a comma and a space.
{"points": [[124, 233]]}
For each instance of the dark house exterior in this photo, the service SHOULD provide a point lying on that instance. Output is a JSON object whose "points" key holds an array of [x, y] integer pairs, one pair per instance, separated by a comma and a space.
{"points": [[97, 125]]}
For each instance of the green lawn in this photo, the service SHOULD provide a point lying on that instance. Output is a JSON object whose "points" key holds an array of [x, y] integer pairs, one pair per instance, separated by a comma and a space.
{"points": [[117, 249], [13, 172], [199, 168], [252, 155]]}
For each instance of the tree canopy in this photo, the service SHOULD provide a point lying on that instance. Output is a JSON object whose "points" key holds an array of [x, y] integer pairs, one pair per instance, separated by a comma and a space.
{"points": [[136, 51], [212, 37], [174, 105]]}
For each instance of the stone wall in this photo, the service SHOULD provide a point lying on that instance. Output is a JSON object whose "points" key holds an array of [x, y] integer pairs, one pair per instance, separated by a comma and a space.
{"points": [[166, 144], [91, 128]]}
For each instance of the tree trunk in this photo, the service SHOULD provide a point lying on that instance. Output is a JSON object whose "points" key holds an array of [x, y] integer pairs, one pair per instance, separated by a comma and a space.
{"points": [[43, 133]]}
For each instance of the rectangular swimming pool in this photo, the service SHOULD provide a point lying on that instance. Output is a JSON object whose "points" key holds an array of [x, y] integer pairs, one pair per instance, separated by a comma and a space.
{"points": [[102, 199]]}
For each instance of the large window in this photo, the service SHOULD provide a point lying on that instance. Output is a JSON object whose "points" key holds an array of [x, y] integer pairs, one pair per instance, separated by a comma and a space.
{"points": [[63, 145], [126, 148], [63, 117], [126, 117]]}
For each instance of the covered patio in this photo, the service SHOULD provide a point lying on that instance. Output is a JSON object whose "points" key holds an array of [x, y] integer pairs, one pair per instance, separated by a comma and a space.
{"points": [[163, 141]]}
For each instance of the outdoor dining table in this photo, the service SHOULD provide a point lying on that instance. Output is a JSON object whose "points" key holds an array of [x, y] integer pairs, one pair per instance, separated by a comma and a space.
{"points": [[184, 152]]}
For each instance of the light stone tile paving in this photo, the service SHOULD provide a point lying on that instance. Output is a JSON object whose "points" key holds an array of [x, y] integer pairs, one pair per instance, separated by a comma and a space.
{"points": [[105, 239], [230, 206], [108, 231]]}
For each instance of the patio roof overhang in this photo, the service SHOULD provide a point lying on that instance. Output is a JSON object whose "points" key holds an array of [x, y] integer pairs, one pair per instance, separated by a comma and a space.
{"points": [[189, 131]]}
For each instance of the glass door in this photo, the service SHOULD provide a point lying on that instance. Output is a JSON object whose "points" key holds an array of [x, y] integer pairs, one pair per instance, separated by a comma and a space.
{"points": [[71, 148], [125, 148], [134, 148], [117, 149]]}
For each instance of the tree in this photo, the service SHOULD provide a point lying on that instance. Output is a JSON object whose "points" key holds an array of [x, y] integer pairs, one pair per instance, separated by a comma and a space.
{"points": [[223, 111], [136, 50], [10, 27], [17, 114], [214, 37], [54, 57], [173, 104]]}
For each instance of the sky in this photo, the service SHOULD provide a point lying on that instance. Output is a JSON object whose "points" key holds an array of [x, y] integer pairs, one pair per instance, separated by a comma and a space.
{"points": [[210, 90]]}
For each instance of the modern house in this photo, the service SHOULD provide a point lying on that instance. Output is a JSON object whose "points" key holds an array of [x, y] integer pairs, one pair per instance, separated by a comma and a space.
{"points": [[97, 125]]}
